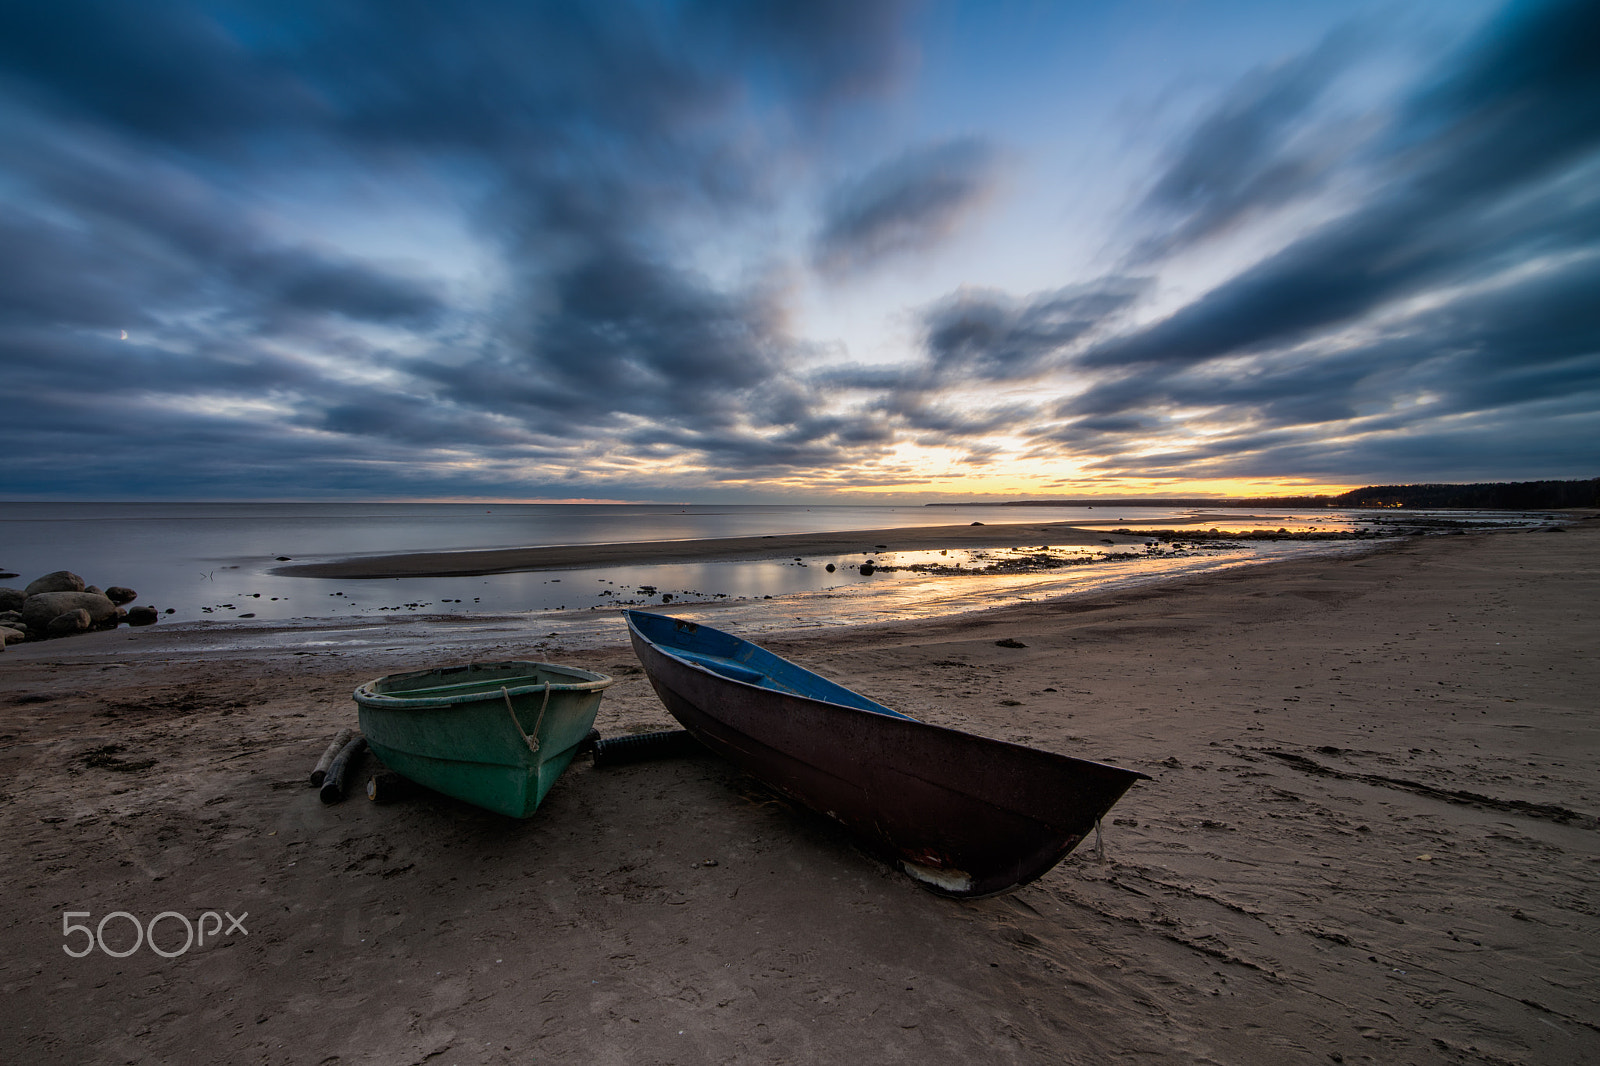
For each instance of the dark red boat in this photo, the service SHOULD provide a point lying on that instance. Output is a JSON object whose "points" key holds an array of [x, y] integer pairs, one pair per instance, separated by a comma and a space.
{"points": [[964, 815]]}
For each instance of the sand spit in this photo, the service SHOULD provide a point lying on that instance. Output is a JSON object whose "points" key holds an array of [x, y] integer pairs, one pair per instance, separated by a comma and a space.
{"points": [[567, 557], [1372, 837]]}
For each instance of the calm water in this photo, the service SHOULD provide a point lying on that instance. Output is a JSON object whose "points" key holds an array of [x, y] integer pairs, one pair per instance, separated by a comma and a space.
{"points": [[213, 561]]}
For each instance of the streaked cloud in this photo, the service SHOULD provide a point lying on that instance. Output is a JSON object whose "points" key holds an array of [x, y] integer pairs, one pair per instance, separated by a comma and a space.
{"points": [[1255, 149], [1436, 308], [905, 206]]}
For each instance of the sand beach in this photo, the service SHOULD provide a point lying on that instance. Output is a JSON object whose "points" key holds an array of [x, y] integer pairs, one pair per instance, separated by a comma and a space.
{"points": [[1371, 836]]}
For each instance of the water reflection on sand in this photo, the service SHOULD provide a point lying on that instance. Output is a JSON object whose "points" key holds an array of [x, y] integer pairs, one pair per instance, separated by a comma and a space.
{"points": [[846, 598]]}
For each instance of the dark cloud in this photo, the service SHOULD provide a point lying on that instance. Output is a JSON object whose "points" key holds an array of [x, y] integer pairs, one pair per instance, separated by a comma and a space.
{"points": [[1526, 102], [824, 50], [1520, 100], [50, 274], [750, 456], [1452, 306], [495, 75], [155, 158], [1500, 445], [621, 335], [1500, 376], [173, 71], [933, 422], [108, 238], [907, 205], [986, 337], [990, 337], [580, 134], [1250, 153], [412, 419]]}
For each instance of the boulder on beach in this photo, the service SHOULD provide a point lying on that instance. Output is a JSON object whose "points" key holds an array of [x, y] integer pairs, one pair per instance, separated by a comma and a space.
{"points": [[60, 581], [120, 594], [142, 616], [40, 610], [9, 617], [8, 635], [11, 599], [68, 623], [96, 589]]}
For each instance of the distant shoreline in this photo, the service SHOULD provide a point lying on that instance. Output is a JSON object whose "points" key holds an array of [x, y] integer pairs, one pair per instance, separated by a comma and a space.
{"points": [[1481, 496]]}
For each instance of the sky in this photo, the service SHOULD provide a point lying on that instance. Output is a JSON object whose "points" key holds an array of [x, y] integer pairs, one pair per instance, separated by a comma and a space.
{"points": [[821, 251]]}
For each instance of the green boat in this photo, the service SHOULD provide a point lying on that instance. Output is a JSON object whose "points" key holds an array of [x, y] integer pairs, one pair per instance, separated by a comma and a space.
{"points": [[493, 734]]}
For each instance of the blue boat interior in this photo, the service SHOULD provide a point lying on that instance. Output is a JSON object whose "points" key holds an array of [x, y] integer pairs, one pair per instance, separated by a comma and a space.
{"points": [[739, 660]]}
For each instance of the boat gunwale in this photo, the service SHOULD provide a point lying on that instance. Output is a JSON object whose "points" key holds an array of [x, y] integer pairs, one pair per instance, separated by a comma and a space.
{"points": [[591, 681], [689, 660]]}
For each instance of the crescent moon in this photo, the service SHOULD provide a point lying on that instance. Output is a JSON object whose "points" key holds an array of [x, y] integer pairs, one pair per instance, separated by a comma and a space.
{"points": [[124, 334]]}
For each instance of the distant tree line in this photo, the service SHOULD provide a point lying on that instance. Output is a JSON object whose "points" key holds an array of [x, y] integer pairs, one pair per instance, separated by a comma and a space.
{"points": [[1498, 495], [1492, 496]]}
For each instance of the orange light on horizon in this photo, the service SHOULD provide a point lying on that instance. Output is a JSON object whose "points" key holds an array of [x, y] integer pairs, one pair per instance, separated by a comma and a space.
{"points": [[1023, 488]]}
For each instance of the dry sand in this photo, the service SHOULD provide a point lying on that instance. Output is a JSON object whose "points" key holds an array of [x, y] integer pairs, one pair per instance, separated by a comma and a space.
{"points": [[1371, 838]]}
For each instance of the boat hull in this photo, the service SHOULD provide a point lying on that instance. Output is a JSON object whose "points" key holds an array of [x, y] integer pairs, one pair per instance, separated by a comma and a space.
{"points": [[965, 815], [451, 729]]}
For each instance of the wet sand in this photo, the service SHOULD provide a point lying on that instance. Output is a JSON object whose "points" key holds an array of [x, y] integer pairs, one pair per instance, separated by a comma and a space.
{"points": [[1372, 837]]}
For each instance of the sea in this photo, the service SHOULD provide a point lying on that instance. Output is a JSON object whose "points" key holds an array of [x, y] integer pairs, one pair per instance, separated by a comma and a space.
{"points": [[213, 564]]}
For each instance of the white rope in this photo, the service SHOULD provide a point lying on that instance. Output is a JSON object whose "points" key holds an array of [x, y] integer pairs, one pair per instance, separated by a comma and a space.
{"points": [[533, 740]]}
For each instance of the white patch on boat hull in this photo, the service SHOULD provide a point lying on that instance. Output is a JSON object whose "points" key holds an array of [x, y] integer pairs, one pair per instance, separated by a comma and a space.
{"points": [[947, 880]]}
